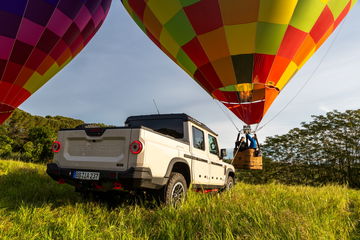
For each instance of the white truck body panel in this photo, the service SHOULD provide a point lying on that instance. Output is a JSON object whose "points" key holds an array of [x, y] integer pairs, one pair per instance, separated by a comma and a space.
{"points": [[106, 152], [160, 150], [110, 151]]}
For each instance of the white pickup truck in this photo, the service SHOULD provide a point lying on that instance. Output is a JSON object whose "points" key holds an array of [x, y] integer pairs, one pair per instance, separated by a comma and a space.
{"points": [[161, 153]]}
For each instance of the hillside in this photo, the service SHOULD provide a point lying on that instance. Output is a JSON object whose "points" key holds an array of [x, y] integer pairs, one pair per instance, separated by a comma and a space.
{"points": [[22, 121], [32, 206], [27, 137]]}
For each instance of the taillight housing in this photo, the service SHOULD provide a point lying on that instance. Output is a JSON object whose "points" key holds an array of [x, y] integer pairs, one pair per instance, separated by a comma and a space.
{"points": [[56, 147], [136, 147]]}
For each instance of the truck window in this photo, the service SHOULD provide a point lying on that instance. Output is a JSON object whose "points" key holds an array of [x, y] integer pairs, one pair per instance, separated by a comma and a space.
{"points": [[171, 127], [198, 138], [213, 146]]}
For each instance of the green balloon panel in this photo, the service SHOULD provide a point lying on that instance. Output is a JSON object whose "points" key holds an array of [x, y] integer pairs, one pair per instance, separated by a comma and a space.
{"points": [[242, 52]]}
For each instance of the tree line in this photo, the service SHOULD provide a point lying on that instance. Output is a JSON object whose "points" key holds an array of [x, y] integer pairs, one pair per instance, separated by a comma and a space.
{"points": [[29, 138], [325, 150]]}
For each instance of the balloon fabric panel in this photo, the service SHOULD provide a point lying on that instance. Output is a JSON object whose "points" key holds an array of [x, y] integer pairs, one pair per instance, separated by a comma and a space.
{"points": [[242, 52], [37, 39]]}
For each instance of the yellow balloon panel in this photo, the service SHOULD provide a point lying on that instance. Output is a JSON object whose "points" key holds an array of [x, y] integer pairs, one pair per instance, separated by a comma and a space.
{"points": [[242, 52]]}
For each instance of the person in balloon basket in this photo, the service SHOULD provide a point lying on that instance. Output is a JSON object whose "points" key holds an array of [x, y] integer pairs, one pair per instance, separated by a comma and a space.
{"points": [[241, 145], [252, 140], [253, 144]]}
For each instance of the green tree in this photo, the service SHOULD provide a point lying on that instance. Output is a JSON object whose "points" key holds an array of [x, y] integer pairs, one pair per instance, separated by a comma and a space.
{"points": [[41, 139], [32, 152], [5, 146], [27, 142], [331, 141]]}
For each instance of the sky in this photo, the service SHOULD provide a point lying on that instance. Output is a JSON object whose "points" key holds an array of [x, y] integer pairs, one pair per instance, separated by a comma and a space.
{"points": [[121, 72]]}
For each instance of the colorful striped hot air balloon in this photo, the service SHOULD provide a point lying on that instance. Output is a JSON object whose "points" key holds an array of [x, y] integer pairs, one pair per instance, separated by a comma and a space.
{"points": [[242, 52], [37, 39]]}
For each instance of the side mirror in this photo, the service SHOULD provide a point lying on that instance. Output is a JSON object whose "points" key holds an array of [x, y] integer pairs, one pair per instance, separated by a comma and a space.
{"points": [[223, 153]]}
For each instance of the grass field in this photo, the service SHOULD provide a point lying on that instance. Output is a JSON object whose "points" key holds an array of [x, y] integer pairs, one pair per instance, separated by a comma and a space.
{"points": [[32, 206]]}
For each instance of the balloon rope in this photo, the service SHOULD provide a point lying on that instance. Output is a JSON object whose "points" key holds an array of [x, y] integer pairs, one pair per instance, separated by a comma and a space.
{"points": [[257, 128], [308, 80], [227, 115], [232, 161]]}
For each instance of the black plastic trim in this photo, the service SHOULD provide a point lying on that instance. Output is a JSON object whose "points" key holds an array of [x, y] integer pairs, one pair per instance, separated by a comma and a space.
{"points": [[203, 186], [196, 158], [82, 129], [172, 163], [228, 171], [181, 116], [217, 164], [133, 178]]}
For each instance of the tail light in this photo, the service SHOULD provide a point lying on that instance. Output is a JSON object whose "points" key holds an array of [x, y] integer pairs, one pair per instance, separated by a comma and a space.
{"points": [[97, 186], [61, 181], [136, 147], [117, 186], [56, 147]]}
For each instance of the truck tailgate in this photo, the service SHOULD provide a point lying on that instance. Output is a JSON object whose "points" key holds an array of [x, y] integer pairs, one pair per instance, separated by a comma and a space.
{"points": [[107, 151]]}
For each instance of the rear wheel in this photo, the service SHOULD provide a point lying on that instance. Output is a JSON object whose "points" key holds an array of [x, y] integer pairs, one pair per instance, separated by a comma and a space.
{"points": [[175, 190]]}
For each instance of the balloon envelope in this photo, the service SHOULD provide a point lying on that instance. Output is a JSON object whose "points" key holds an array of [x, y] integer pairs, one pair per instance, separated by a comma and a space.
{"points": [[37, 39], [242, 52]]}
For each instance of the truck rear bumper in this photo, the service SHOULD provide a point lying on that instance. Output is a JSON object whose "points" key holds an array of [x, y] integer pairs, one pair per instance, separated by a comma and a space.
{"points": [[133, 178]]}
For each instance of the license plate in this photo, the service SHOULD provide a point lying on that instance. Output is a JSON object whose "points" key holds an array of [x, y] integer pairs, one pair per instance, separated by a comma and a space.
{"points": [[86, 175]]}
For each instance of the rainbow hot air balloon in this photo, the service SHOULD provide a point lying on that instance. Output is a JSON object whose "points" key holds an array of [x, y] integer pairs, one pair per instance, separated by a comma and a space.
{"points": [[242, 52], [37, 39]]}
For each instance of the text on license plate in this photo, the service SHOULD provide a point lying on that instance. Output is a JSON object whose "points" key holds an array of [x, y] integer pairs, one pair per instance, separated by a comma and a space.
{"points": [[86, 175]]}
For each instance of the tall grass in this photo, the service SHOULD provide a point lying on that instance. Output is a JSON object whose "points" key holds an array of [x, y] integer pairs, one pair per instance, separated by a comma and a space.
{"points": [[32, 206]]}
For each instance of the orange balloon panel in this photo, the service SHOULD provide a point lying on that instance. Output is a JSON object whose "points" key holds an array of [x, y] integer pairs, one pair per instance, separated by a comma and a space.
{"points": [[242, 52]]}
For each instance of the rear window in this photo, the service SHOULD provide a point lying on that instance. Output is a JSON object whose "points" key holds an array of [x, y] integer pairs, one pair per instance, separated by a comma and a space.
{"points": [[171, 127]]}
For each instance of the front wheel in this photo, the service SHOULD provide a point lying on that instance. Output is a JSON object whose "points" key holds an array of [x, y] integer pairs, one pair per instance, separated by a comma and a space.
{"points": [[229, 183], [175, 190]]}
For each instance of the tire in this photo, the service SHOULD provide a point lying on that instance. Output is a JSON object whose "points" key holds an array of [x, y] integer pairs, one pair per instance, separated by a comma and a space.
{"points": [[229, 183], [174, 192]]}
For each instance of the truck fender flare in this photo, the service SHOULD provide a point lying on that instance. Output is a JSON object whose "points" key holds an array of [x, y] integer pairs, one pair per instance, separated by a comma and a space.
{"points": [[173, 162]]}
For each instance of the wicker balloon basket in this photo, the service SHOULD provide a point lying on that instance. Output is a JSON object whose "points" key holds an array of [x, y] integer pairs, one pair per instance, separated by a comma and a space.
{"points": [[248, 160]]}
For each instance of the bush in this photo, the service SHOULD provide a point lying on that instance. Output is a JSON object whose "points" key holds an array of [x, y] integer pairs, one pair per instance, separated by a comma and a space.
{"points": [[29, 138], [5, 146], [38, 149]]}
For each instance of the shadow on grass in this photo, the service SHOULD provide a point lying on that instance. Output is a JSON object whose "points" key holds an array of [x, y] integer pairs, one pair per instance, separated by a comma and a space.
{"points": [[354, 208], [25, 186], [301, 174], [31, 187], [123, 199], [356, 234]]}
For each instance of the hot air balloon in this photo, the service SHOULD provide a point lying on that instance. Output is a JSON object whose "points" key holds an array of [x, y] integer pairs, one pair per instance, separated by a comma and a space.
{"points": [[37, 39], [242, 52]]}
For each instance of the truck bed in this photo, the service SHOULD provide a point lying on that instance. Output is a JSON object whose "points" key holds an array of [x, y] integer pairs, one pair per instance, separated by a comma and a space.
{"points": [[87, 149]]}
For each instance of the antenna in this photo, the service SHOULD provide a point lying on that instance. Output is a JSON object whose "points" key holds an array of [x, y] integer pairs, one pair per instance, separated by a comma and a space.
{"points": [[157, 109]]}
